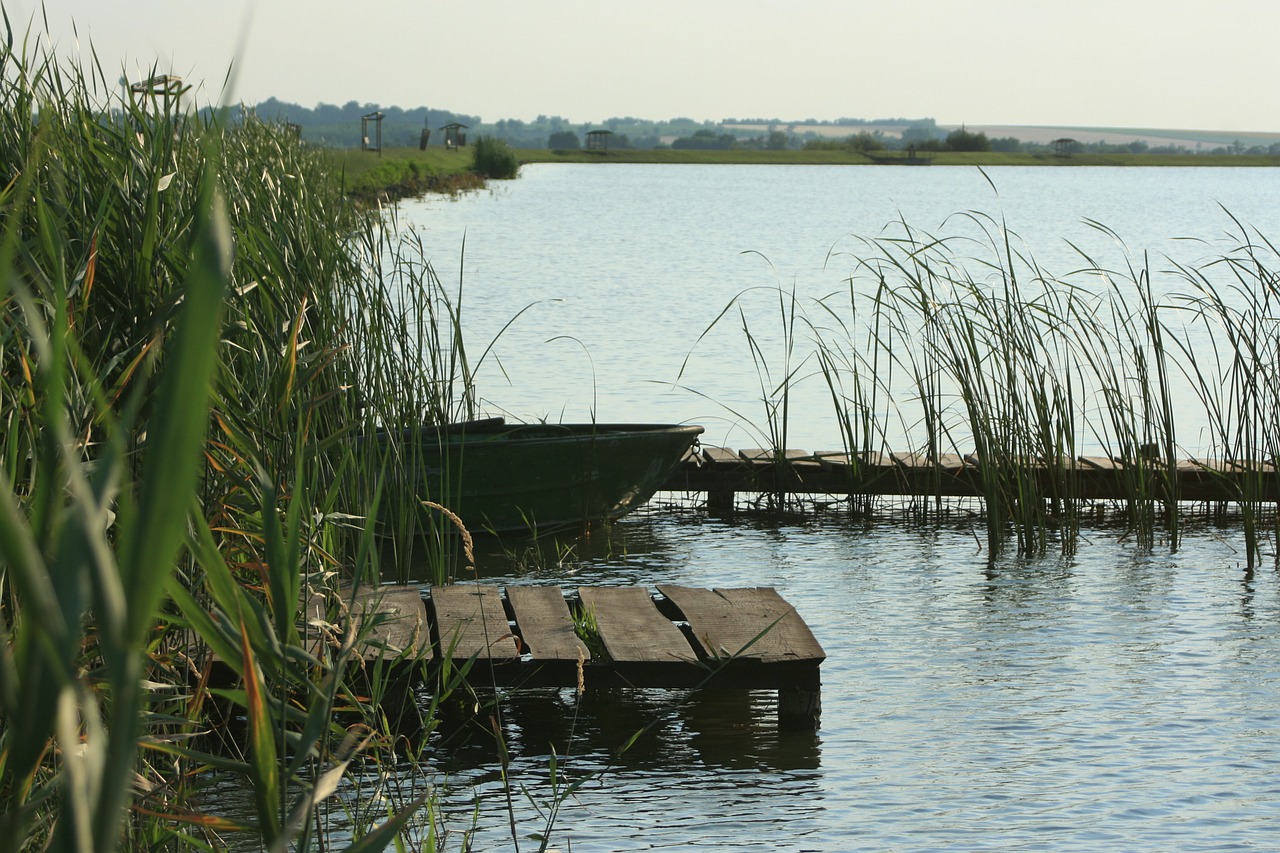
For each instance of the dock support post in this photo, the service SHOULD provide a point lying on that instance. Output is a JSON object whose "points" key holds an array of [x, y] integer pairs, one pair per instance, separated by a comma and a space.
{"points": [[720, 501], [800, 705]]}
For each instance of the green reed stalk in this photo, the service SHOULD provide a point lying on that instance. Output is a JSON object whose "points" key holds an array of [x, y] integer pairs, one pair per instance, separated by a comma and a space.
{"points": [[133, 414], [1238, 385]]}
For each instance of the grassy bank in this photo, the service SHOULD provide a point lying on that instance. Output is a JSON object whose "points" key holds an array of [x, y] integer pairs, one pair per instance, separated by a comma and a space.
{"points": [[197, 328], [401, 172], [406, 172]]}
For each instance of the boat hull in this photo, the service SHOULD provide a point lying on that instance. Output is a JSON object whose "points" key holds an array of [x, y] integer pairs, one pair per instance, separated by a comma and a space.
{"points": [[539, 477]]}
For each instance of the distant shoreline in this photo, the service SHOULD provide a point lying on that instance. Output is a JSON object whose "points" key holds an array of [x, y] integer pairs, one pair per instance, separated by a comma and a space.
{"points": [[409, 172], [853, 158]]}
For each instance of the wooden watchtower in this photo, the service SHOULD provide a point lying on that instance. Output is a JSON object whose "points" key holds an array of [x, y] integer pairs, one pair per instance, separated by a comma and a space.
{"points": [[374, 144]]}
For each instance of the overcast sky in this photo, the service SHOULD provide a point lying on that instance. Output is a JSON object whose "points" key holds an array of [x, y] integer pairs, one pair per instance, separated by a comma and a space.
{"points": [[1119, 63]]}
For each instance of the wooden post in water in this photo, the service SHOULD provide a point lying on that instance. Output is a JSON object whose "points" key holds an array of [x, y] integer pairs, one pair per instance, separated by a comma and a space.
{"points": [[800, 705]]}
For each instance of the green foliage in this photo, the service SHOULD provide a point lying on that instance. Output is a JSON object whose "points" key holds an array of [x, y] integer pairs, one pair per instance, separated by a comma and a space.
{"points": [[967, 140], [588, 630], [861, 141], [495, 159], [186, 321], [706, 140], [564, 139]]}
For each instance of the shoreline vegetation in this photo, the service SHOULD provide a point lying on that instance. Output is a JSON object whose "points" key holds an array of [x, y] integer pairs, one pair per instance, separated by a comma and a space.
{"points": [[405, 172]]}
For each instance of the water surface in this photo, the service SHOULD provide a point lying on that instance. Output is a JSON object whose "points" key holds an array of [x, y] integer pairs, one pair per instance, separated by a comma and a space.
{"points": [[628, 265], [1119, 698]]}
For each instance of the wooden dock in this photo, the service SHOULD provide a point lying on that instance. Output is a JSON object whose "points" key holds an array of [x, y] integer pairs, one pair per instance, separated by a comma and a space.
{"points": [[676, 637], [722, 473]]}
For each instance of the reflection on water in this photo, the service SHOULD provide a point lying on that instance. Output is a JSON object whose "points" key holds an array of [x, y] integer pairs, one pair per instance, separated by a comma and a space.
{"points": [[1115, 698]]}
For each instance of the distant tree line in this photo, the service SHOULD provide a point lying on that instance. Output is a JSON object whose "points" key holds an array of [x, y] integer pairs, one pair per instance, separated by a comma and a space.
{"points": [[962, 139], [340, 127]]}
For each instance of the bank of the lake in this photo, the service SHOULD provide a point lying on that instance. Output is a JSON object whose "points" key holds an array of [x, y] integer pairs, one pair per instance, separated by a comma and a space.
{"points": [[408, 172], [856, 158], [402, 172]]}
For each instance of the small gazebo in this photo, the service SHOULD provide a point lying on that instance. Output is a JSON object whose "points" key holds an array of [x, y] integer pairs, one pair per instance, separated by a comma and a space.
{"points": [[455, 135], [598, 140], [1065, 146]]}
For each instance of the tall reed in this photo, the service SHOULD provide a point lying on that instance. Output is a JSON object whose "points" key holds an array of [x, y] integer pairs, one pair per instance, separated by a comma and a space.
{"points": [[961, 344], [180, 387]]}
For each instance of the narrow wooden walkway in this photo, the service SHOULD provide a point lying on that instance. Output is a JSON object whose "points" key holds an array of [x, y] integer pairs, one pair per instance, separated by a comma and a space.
{"points": [[722, 472], [685, 637]]}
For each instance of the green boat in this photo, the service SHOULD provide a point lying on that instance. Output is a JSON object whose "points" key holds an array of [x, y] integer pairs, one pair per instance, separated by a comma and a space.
{"points": [[534, 478]]}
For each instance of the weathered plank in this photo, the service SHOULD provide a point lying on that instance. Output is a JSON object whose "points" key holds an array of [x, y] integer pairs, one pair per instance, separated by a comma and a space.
{"points": [[632, 629], [951, 463], [912, 460], [397, 619], [836, 460], [545, 624], [720, 456], [760, 454], [756, 623], [471, 622], [877, 459]]}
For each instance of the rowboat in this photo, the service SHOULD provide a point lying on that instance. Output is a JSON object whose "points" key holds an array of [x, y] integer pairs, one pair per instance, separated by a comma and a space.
{"points": [[501, 477]]}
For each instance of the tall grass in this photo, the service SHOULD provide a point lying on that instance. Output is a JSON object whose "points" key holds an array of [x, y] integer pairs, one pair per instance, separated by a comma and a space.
{"points": [[186, 364], [493, 158], [960, 344]]}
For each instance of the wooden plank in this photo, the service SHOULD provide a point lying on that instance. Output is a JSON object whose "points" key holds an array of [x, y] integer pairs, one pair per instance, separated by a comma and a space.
{"points": [[1242, 466], [399, 614], [632, 629], [399, 621], [834, 460], [950, 462], [720, 455], [545, 624], [912, 460], [759, 454], [877, 459], [756, 622], [1102, 463], [471, 622]]}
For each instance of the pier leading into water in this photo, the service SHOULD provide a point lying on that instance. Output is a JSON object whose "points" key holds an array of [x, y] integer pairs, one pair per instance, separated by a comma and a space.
{"points": [[525, 636], [723, 472]]}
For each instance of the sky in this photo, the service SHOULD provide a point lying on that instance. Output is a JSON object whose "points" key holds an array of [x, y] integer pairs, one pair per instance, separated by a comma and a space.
{"points": [[1070, 63]]}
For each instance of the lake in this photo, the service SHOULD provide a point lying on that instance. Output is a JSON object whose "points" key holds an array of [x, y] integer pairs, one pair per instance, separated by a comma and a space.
{"points": [[626, 267], [1119, 698]]}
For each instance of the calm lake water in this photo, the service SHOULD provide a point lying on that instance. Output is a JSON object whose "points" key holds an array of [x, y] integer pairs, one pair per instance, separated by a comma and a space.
{"points": [[626, 266], [1121, 698]]}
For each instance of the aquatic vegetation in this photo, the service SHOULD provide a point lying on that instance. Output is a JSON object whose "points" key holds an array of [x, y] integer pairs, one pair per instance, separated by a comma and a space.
{"points": [[493, 158], [182, 371], [963, 345]]}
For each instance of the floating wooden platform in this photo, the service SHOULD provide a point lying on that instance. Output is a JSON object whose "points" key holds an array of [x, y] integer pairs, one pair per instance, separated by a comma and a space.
{"points": [[722, 472], [678, 636]]}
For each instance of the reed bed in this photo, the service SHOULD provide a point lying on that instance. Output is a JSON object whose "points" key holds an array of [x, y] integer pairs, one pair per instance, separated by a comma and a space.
{"points": [[196, 330], [958, 345]]}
